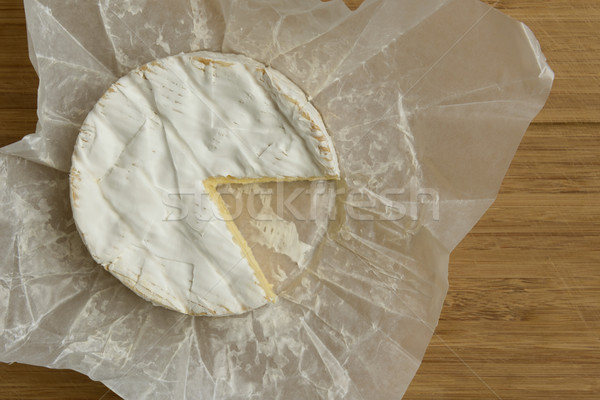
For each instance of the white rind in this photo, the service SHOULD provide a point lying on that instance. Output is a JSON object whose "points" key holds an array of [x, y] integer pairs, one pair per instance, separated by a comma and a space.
{"points": [[150, 142]]}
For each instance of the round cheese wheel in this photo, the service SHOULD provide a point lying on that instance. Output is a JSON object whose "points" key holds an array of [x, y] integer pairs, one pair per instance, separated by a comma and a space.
{"points": [[150, 156]]}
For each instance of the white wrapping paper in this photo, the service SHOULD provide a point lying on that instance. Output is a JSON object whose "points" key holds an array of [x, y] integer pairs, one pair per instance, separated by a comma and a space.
{"points": [[427, 99]]}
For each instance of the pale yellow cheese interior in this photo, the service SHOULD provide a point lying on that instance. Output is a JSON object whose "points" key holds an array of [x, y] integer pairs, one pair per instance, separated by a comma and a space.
{"points": [[211, 187]]}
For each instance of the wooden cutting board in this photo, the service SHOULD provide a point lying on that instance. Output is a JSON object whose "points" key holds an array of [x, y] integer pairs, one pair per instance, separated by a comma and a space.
{"points": [[522, 316]]}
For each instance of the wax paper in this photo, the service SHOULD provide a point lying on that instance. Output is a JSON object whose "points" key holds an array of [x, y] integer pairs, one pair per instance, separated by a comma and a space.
{"points": [[426, 102]]}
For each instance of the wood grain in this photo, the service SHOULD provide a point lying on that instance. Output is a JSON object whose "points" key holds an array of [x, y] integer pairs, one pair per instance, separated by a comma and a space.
{"points": [[522, 316]]}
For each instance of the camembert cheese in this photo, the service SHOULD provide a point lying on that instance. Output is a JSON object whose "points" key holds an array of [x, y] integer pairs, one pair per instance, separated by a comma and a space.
{"points": [[149, 158]]}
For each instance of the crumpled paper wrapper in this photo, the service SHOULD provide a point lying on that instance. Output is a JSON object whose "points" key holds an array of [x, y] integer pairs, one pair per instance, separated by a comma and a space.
{"points": [[427, 98]]}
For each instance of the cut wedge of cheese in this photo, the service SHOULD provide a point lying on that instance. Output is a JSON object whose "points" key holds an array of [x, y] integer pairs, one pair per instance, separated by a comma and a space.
{"points": [[150, 156]]}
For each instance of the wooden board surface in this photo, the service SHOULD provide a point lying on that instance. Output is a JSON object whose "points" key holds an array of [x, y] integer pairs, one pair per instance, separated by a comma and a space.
{"points": [[522, 316]]}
